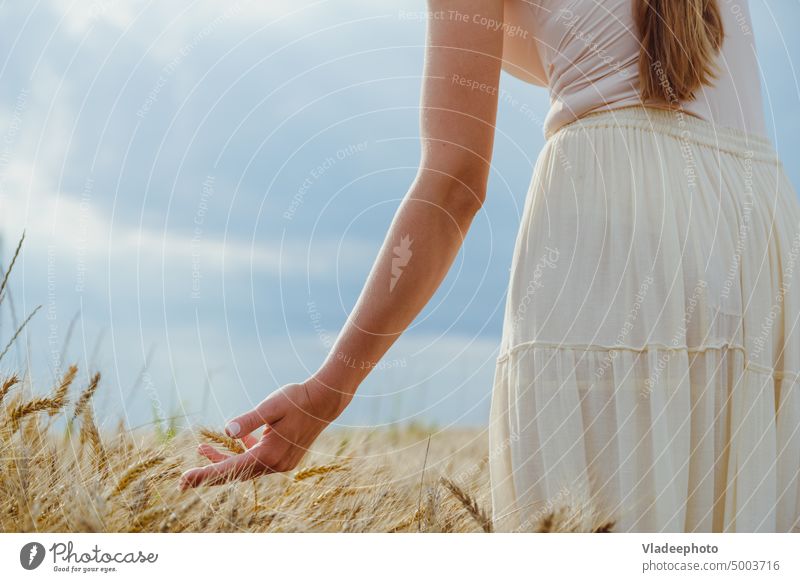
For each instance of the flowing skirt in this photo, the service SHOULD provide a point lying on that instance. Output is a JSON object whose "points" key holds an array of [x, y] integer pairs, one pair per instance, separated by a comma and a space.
{"points": [[651, 342]]}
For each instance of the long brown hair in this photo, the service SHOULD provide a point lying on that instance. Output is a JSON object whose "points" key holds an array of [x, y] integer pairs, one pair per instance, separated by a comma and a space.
{"points": [[680, 40]]}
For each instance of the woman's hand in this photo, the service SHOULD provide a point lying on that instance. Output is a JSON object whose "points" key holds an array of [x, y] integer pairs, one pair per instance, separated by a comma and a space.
{"points": [[293, 417]]}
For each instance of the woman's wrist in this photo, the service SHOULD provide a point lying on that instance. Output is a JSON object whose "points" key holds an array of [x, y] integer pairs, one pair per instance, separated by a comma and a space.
{"points": [[340, 374]]}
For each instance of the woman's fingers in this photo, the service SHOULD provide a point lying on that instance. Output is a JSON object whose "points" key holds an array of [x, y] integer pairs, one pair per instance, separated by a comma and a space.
{"points": [[244, 466], [271, 453], [211, 453], [264, 413]]}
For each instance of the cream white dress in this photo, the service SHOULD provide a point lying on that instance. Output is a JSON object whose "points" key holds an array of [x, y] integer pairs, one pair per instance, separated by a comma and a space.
{"points": [[650, 356]]}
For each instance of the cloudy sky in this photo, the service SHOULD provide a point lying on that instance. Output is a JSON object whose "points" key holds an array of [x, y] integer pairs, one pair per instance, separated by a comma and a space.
{"points": [[204, 186]]}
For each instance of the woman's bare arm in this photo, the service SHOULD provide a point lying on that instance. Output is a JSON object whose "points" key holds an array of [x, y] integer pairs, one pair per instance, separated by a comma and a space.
{"points": [[458, 111]]}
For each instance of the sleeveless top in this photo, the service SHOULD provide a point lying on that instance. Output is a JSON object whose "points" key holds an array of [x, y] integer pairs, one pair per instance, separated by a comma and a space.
{"points": [[587, 52]]}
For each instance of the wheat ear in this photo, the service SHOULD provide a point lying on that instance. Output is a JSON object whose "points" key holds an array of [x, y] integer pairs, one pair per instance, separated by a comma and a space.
{"points": [[60, 393], [224, 440], [86, 395], [90, 434], [27, 408], [7, 386], [470, 504], [309, 472], [135, 472]]}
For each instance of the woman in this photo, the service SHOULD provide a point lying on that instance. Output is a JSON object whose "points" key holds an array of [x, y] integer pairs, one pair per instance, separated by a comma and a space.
{"points": [[653, 367]]}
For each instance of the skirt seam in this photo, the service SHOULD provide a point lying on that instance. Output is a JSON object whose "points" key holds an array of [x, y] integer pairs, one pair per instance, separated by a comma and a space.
{"points": [[749, 365]]}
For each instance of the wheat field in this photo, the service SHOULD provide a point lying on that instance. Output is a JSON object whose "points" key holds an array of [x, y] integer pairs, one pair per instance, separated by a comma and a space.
{"points": [[62, 471]]}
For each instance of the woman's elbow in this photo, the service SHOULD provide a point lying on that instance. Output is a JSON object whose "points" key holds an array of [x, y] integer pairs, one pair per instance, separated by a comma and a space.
{"points": [[459, 192]]}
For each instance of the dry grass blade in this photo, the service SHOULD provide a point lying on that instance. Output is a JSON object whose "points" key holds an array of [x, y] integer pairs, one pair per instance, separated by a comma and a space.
{"points": [[233, 445], [470, 504], [422, 480], [19, 412], [19, 331], [11, 266], [135, 472], [61, 391], [86, 396], [309, 472]]}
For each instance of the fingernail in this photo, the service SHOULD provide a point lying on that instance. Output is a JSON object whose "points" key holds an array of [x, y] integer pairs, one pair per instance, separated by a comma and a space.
{"points": [[233, 428]]}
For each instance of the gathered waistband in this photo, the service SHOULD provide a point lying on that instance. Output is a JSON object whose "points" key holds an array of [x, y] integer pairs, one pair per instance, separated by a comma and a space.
{"points": [[678, 124]]}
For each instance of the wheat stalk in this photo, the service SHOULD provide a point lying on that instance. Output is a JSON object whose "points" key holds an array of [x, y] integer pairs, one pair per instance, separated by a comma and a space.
{"points": [[7, 386], [410, 520], [11, 266], [470, 504], [60, 393], [20, 411], [169, 471], [309, 472], [19, 331], [86, 395], [338, 491], [233, 445], [135, 472], [90, 434], [422, 479]]}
